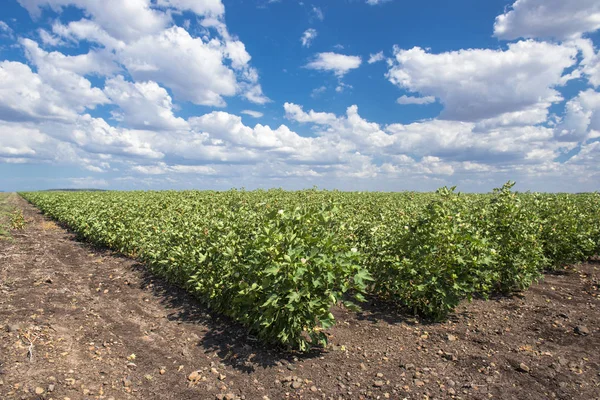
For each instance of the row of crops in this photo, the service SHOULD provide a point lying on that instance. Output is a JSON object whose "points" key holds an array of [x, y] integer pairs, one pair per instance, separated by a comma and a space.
{"points": [[277, 261]]}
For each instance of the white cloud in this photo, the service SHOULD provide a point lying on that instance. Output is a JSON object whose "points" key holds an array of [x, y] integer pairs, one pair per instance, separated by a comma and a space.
{"points": [[51, 94], [340, 64], [98, 62], [582, 118], [212, 8], [85, 29], [49, 39], [415, 100], [294, 112], [5, 30], [495, 123], [590, 63], [318, 13], [342, 86], [558, 19], [373, 58], [308, 36], [163, 168], [136, 35], [254, 114], [254, 94], [143, 105], [192, 69], [376, 2], [478, 84], [316, 92], [124, 20]]}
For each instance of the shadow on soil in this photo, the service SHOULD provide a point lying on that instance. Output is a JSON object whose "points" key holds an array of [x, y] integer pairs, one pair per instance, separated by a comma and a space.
{"points": [[225, 337]]}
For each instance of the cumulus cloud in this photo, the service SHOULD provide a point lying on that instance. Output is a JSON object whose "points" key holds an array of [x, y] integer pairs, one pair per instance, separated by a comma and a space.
{"points": [[124, 20], [28, 96], [139, 36], [582, 118], [545, 19], [308, 36], [142, 105], [192, 69], [590, 63], [477, 84], [98, 62], [495, 124], [339, 64], [415, 100], [212, 8]]}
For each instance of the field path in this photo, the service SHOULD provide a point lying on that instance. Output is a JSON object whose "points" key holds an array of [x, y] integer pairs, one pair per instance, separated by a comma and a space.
{"points": [[78, 322]]}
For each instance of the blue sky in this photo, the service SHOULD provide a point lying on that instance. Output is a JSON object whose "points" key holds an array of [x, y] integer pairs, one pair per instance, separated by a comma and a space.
{"points": [[353, 95]]}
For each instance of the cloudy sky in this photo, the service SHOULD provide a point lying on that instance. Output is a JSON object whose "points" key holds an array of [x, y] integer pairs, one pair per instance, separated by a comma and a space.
{"points": [[346, 94]]}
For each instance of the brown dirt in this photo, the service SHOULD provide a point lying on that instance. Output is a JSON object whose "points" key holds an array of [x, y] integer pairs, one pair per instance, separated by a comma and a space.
{"points": [[85, 312]]}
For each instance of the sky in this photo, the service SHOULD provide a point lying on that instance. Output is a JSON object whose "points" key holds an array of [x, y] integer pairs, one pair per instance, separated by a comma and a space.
{"points": [[348, 94]]}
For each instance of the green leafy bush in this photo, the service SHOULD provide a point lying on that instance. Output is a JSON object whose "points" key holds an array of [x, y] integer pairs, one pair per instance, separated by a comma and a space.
{"points": [[277, 261]]}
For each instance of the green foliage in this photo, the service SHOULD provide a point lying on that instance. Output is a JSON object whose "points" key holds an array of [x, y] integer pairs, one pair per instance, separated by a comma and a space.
{"points": [[440, 259], [569, 226], [276, 264], [514, 230], [17, 221], [277, 261]]}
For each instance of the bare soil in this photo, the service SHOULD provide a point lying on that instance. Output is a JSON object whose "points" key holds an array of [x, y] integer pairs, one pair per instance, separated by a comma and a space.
{"points": [[79, 322]]}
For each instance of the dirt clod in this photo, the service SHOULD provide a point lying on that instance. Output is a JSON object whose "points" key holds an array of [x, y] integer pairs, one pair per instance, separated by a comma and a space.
{"points": [[582, 330], [523, 368]]}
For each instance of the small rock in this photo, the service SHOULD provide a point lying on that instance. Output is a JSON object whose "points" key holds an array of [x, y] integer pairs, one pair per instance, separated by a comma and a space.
{"points": [[162, 371], [229, 396], [419, 383], [39, 390], [363, 367], [451, 391], [378, 383], [582, 330], [70, 381], [222, 377], [296, 385], [50, 388], [291, 367], [523, 368], [194, 376], [409, 366], [86, 392], [314, 389], [379, 375], [449, 356], [126, 382], [451, 338]]}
